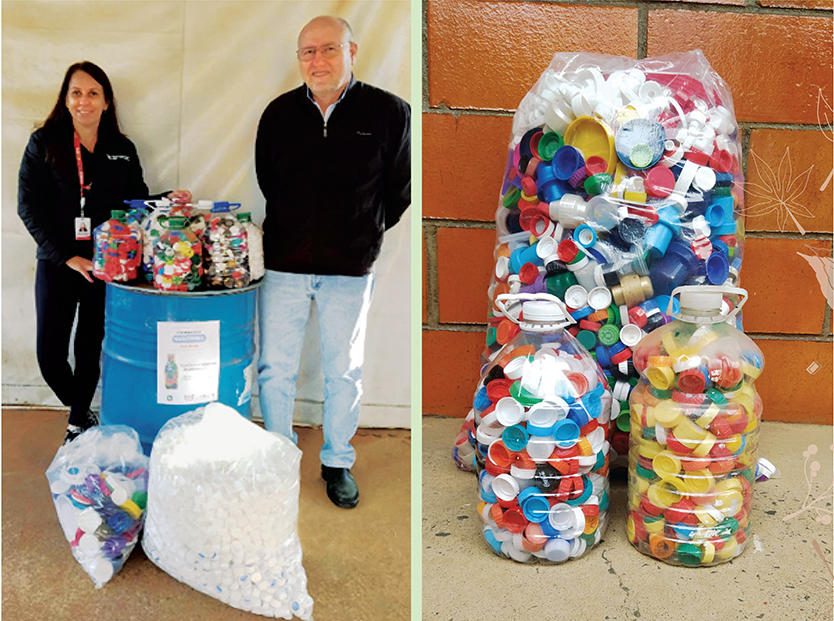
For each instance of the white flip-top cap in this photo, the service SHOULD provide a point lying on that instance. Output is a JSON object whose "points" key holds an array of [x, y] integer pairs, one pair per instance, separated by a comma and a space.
{"points": [[699, 300], [543, 311]]}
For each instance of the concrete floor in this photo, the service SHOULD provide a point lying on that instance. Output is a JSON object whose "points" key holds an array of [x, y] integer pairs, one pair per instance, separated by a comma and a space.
{"points": [[779, 576], [357, 561]]}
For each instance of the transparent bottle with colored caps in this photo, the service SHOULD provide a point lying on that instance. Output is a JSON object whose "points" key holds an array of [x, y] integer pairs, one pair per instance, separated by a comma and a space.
{"points": [[694, 433], [541, 412]]}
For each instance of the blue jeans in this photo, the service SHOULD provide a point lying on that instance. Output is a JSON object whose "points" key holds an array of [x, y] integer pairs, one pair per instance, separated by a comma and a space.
{"points": [[342, 303]]}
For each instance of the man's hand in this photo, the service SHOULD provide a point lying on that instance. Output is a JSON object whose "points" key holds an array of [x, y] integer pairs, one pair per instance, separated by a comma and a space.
{"points": [[82, 266]]}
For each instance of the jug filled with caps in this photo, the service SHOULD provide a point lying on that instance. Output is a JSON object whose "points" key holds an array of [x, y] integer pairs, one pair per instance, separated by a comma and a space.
{"points": [[255, 238], [694, 432], [177, 258], [117, 249], [226, 248], [541, 414]]}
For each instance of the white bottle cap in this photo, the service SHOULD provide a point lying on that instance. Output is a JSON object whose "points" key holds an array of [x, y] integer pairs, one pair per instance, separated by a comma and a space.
{"points": [[700, 300], [505, 487], [630, 334], [546, 413], [575, 297], [599, 298], [546, 247], [509, 412], [514, 369], [89, 520], [541, 311], [557, 550]]}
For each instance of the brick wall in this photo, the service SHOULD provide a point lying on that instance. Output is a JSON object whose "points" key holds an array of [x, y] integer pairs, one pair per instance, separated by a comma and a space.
{"points": [[480, 58]]}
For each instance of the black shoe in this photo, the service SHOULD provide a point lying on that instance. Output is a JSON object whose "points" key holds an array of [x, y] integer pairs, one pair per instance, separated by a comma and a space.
{"points": [[341, 487], [73, 431], [91, 419]]}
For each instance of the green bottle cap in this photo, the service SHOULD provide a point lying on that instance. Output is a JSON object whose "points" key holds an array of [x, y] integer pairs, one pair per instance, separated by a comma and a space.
{"points": [[609, 334]]}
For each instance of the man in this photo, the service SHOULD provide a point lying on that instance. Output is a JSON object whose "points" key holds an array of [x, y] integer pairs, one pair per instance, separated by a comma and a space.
{"points": [[333, 161]]}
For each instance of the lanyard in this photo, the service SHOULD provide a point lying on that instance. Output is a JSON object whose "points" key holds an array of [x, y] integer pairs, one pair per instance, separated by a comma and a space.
{"points": [[77, 142]]}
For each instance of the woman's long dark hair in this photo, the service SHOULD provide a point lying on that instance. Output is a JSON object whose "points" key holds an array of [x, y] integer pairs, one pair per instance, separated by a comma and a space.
{"points": [[59, 122]]}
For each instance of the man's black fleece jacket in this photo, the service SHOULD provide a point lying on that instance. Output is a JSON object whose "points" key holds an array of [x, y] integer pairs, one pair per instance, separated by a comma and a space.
{"points": [[332, 189]]}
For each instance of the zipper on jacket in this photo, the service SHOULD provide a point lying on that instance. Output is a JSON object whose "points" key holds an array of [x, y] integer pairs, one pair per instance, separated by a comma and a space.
{"points": [[325, 128]]}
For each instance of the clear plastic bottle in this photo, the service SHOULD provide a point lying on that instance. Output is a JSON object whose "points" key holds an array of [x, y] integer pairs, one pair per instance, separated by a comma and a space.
{"points": [[177, 260], [255, 238], [226, 249], [694, 434], [117, 249], [541, 415]]}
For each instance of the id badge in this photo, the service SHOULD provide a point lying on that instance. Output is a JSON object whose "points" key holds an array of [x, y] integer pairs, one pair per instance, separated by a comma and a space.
{"points": [[82, 228]]}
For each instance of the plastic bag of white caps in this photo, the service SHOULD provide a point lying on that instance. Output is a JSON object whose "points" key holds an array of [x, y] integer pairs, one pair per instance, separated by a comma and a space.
{"points": [[623, 181], [99, 485], [223, 512]]}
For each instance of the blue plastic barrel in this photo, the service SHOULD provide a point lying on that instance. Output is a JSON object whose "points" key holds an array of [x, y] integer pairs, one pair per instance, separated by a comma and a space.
{"points": [[129, 369]]}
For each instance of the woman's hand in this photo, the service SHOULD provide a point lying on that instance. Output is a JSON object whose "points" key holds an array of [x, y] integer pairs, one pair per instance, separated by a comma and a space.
{"points": [[180, 196], [82, 266]]}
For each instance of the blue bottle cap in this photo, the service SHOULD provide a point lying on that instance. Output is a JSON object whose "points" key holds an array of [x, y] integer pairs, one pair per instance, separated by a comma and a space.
{"points": [[578, 414], [662, 302], [721, 247], [585, 236], [548, 530], [591, 403], [536, 508], [616, 348], [515, 437], [536, 430], [581, 313], [566, 161], [488, 496], [566, 432], [492, 541], [718, 268], [481, 401], [603, 358]]}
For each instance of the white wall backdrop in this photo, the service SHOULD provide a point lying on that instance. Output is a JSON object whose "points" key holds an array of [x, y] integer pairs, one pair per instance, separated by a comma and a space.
{"points": [[191, 79]]}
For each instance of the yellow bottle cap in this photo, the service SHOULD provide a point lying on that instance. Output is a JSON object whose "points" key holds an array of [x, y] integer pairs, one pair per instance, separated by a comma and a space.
{"points": [[661, 378], [666, 464], [699, 482], [655, 527], [729, 503], [709, 553], [132, 509], [707, 417], [669, 414], [729, 549], [648, 448], [734, 442], [705, 445]]}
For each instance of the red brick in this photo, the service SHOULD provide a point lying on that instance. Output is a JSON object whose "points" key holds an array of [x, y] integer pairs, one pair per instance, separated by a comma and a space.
{"points": [[797, 4], [733, 2], [464, 268], [463, 165], [773, 64], [785, 295], [451, 368], [776, 177], [489, 54], [424, 272], [789, 391]]}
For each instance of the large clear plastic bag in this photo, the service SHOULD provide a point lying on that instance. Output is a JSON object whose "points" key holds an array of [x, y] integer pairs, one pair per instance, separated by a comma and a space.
{"points": [[223, 512], [623, 181], [99, 485]]}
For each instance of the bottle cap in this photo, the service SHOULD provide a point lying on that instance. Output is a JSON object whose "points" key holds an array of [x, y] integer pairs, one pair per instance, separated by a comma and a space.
{"points": [[509, 411], [547, 413], [505, 487], [599, 298], [585, 236], [549, 143], [660, 181], [576, 297], [608, 335], [566, 161], [566, 433], [718, 268], [515, 437], [630, 334]]}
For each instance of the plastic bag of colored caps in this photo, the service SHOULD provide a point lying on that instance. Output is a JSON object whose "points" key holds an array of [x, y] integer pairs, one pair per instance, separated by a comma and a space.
{"points": [[117, 249], [694, 435], [99, 485], [541, 414], [226, 249], [622, 182]]}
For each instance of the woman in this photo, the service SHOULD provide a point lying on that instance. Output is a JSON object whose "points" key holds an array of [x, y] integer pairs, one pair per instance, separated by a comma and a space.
{"points": [[77, 168]]}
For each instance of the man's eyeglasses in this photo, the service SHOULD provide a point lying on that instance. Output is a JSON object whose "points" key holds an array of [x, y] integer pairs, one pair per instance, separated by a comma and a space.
{"points": [[327, 51]]}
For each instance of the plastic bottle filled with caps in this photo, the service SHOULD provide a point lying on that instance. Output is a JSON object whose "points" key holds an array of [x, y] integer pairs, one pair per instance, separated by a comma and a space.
{"points": [[541, 414], [255, 238], [225, 249], [694, 433], [177, 261], [117, 249], [152, 213]]}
